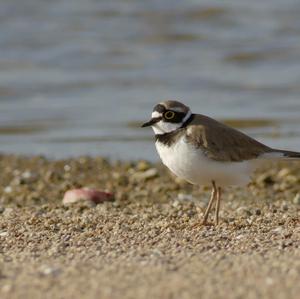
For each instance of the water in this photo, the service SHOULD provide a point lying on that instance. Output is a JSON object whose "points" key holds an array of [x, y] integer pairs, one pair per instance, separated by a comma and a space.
{"points": [[77, 77]]}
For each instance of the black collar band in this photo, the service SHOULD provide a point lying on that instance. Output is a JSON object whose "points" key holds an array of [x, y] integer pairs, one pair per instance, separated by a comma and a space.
{"points": [[170, 138]]}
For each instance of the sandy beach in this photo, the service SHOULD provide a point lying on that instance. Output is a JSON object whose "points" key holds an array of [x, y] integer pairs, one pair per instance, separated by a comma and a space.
{"points": [[78, 80], [144, 244]]}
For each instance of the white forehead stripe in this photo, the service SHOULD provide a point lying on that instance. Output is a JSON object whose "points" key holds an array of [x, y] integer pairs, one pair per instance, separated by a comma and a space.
{"points": [[156, 114]]}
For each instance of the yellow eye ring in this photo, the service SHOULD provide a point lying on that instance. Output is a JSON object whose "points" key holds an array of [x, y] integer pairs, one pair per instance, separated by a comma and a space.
{"points": [[169, 115]]}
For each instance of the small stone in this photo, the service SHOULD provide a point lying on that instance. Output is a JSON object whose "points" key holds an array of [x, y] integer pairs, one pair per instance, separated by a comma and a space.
{"points": [[283, 173], [180, 181], [283, 186], [8, 189], [6, 288], [296, 199], [142, 166], [175, 204], [7, 211], [50, 271], [257, 212], [244, 211], [28, 177], [3, 234], [49, 175], [269, 281], [67, 168], [145, 175], [264, 179], [85, 194], [185, 197], [16, 172], [291, 179], [278, 230]]}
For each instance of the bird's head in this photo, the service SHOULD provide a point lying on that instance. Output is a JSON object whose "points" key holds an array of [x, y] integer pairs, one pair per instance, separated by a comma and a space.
{"points": [[168, 116]]}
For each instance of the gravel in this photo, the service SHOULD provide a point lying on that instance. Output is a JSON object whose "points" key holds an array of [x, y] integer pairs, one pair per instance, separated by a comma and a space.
{"points": [[145, 243]]}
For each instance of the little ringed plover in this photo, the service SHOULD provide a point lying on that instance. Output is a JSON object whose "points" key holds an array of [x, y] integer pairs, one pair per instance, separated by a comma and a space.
{"points": [[204, 151]]}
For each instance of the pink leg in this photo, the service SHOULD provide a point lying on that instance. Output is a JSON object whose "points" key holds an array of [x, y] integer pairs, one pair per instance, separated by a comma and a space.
{"points": [[212, 198], [218, 201]]}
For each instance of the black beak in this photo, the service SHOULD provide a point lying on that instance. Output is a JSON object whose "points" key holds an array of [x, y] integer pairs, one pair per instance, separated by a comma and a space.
{"points": [[151, 122]]}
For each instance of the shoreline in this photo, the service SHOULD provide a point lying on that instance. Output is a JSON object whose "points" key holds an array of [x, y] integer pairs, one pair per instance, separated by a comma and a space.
{"points": [[143, 243]]}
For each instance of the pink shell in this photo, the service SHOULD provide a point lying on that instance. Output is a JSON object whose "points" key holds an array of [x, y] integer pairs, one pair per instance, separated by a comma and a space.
{"points": [[93, 195]]}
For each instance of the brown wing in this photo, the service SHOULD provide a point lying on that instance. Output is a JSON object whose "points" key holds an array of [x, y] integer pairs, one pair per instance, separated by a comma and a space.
{"points": [[222, 143]]}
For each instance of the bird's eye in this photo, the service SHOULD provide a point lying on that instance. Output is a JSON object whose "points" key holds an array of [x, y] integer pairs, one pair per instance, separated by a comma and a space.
{"points": [[169, 115]]}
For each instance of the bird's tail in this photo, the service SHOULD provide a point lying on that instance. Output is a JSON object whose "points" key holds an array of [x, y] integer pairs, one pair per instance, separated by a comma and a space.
{"points": [[290, 154], [282, 154]]}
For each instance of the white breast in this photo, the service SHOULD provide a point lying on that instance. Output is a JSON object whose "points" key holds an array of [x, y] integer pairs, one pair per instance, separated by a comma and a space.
{"points": [[189, 163]]}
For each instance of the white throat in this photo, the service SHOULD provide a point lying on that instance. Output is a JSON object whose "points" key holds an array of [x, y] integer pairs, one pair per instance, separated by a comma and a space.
{"points": [[163, 127]]}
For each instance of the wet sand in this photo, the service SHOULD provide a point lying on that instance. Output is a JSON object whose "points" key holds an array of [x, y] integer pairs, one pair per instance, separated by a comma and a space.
{"points": [[144, 243]]}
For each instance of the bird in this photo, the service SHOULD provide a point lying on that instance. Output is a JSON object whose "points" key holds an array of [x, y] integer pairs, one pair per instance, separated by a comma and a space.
{"points": [[204, 151]]}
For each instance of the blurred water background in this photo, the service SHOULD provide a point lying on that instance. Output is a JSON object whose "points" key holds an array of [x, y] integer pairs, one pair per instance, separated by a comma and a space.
{"points": [[78, 76]]}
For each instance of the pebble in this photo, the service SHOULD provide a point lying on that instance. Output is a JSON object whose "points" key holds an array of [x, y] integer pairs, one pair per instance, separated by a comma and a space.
{"points": [[296, 199], [85, 194], [291, 179], [27, 177], [7, 211], [263, 179], [175, 204], [142, 166], [50, 271], [243, 211], [278, 230], [67, 168], [8, 189], [185, 197], [6, 288], [145, 175], [269, 281], [180, 181], [257, 212], [283, 173], [3, 234]]}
